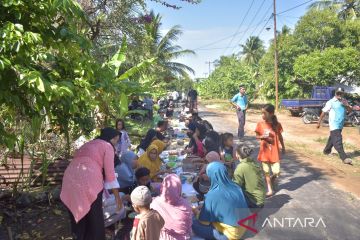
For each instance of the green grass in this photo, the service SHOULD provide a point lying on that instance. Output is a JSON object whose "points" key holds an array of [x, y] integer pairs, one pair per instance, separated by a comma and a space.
{"points": [[333, 158], [347, 146], [321, 140]]}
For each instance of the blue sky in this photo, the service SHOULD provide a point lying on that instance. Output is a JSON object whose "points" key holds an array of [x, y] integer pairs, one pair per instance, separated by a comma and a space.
{"points": [[213, 20]]}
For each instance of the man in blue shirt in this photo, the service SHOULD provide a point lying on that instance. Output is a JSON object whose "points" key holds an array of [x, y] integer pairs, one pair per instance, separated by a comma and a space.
{"points": [[337, 108], [240, 102]]}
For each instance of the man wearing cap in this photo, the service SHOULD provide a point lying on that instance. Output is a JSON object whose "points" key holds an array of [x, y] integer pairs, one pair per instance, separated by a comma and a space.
{"points": [[240, 102], [337, 108]]}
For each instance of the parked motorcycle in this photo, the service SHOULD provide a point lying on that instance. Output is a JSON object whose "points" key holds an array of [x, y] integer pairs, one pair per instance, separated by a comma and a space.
{"points": [[312, 115], [354, 118]]}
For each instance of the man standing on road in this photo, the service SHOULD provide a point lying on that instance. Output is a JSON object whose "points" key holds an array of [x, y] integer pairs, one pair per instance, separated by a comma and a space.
{"points": [[240, 102], [192, 99], [337, 108]]}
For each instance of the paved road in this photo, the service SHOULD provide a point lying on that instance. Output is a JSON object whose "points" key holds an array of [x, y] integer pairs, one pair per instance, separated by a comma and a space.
{"points": [[306, 207]]}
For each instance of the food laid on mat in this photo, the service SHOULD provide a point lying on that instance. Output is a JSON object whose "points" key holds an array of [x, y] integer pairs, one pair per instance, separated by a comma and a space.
{"points": [[173, 153], [171, 164], [173, 158], [188, 176], [164, 155]]}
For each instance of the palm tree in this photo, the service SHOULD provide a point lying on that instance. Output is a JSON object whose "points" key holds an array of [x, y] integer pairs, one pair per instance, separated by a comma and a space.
{"points": [[163, 47], [252, 50], [285, 30], [346, 9]]}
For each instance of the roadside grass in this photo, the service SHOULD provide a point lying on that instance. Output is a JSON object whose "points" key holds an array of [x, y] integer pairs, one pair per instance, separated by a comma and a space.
{"points": [[333, 159], [225, 105], [347, 146]]}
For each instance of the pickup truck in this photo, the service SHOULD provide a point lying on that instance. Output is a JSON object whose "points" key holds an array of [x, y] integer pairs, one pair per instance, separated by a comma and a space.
{"points": [[319, 96]]}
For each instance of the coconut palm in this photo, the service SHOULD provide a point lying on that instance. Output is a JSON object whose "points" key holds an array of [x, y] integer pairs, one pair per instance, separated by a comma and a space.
{"points": [[164, 48], [252, 50], [285, 30], [346, 9]]}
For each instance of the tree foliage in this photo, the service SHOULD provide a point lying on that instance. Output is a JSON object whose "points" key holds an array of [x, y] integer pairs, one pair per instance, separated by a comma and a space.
{"points": [[69, 67], [322, 49], [224, 81], [253, 50], [329, 65]]}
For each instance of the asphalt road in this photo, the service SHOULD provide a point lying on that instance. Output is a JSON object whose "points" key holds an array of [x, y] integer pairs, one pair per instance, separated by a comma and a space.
{"points": [[306, 206]]}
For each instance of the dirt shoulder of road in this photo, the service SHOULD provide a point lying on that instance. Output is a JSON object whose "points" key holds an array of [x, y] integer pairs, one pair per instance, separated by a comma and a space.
{"points": [[307, 142]]}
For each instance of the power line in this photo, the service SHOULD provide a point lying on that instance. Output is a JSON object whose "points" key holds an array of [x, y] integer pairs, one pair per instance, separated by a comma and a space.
{"points": [[262, 20], [287, 16], [247, 12], [290, 9], [215, 48], [271, 16], [257, 12], [218, 48], [217, 41], [200, 48]]}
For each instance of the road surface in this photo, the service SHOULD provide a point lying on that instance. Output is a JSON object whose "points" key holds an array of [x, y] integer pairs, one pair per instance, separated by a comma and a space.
{"points": [[306, 207]]}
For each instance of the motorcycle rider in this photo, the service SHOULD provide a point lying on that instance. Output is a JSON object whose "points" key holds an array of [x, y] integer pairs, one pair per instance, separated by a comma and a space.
{"points": [[337, 108]]}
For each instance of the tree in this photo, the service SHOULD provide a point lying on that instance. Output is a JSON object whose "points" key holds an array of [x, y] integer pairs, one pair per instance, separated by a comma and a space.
{"points": [[224, 81], [319, 29], [346, 9], [252, 50], [328, 66], [165, 50]]}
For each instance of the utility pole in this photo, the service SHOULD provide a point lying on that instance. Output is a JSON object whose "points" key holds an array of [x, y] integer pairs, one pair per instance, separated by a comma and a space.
{"points": [[209, 62], [276, 62]]}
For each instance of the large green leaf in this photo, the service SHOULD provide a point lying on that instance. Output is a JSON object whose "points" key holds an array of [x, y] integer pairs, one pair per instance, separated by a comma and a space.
{"points": [[135, 69], [119, 57]]}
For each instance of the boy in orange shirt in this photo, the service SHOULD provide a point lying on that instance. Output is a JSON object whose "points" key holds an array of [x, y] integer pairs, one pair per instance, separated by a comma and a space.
{"points": [[269, 133]]}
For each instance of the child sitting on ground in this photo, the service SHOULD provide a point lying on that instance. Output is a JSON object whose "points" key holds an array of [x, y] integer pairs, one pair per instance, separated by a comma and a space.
{"points": [[248, 175], [148, 224], [142, 176], [228, 152]]}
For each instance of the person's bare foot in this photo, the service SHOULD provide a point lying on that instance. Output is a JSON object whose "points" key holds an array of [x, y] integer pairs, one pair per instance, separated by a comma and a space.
{"points": [[269, 194]]}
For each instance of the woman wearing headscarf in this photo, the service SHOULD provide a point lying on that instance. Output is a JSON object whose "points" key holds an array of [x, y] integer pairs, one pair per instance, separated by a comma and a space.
{"points": [[160, 145], [126, 171], [175, 210], [84, 179], [150, 159], [146, 141], [224, 206]]}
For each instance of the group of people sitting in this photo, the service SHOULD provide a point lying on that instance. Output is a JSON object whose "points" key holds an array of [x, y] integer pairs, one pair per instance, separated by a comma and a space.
{"points": [[236, 187]]}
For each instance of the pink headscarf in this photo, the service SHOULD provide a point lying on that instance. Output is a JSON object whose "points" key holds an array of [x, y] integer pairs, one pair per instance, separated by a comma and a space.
{"points": [[175, 210], [212, 157]]}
